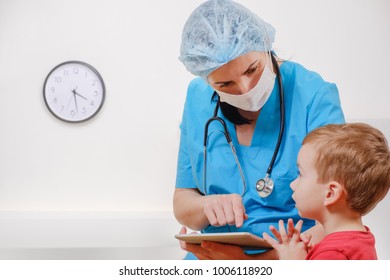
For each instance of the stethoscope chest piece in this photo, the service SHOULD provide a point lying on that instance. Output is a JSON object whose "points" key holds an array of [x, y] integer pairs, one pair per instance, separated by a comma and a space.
{"points": [[265, 187]]}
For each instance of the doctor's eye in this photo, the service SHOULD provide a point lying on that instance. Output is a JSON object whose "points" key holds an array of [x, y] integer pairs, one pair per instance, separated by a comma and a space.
{"points": [[225, 84], [252, 70]]}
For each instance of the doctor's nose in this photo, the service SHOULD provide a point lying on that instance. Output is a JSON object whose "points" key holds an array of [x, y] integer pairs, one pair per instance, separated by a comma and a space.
{"points": [[244, 85]]}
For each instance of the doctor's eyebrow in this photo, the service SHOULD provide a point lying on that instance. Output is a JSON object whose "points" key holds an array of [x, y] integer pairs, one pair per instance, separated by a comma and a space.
{"points": [[250, 67]]}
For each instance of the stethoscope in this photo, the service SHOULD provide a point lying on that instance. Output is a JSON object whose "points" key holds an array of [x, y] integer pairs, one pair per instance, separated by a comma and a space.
{"points": [[265, 186]]}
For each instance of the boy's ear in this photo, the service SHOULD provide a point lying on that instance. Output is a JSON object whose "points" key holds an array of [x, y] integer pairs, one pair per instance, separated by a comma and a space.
{"points": [[334, 191]]}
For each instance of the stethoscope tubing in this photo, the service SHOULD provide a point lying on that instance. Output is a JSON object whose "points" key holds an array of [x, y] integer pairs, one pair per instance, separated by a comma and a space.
{"points": [[267, 179], [282, 117]]}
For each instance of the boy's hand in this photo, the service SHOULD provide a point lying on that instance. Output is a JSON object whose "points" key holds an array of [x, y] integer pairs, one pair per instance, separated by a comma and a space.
{"points": [[288, 244], [313, 235]]}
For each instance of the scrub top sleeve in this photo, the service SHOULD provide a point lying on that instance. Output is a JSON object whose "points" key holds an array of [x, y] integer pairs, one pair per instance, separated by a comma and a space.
{"points": [[184, 178], [325, 108]]}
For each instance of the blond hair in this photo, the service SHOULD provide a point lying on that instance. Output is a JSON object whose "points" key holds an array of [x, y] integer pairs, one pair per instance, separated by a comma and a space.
{"points": [[357, 156]]}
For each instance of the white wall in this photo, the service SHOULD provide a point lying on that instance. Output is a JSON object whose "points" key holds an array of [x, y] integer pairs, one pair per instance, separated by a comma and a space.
{"points": [[125, 158]]}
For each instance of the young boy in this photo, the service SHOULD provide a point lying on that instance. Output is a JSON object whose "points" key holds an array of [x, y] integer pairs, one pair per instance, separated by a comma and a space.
{"points": [[344, 172]]}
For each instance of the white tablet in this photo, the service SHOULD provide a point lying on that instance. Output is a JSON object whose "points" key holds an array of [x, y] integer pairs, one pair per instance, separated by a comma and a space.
{"points": [[243, 239]]}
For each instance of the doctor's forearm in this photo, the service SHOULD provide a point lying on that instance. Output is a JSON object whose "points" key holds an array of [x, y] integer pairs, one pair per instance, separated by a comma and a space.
{"points": [[188, 208]]}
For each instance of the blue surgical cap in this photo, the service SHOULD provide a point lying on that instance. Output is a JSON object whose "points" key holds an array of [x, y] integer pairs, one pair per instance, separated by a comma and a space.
{"points": [[219, 31]]}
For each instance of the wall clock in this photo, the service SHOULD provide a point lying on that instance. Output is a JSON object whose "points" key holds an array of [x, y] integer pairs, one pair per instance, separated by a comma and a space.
{"points": [[74, 91]]}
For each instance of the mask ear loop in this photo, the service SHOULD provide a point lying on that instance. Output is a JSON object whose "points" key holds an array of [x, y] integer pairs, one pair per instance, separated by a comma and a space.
{"points": [[268, 59]]}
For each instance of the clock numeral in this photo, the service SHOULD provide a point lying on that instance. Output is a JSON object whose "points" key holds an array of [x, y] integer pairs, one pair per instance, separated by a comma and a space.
{"points": [[92, 103], [86, 74], [55, 100], [75, 70], [73, 113], [62, 108], [96, 93], [93, 82], [58, 79], [84, 111], [52, 89], [66, 72]]}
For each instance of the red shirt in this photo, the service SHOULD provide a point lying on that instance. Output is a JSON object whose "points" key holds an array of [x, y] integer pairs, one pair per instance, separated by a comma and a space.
{"points": [[345, 245]]}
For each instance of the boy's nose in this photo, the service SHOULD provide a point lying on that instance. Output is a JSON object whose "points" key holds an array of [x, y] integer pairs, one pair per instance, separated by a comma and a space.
{"points": [[293, 184]]}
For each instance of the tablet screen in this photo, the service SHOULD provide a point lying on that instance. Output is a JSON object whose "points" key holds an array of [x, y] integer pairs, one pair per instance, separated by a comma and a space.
{"points": [[243, 239]]}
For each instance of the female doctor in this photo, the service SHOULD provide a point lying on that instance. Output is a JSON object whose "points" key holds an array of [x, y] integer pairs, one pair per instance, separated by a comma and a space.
{"points": [[265, 106]]}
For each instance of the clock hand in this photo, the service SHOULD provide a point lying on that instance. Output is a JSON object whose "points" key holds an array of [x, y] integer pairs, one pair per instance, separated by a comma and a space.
{"points": [[76, 93], [75, 101], [81, 96]]}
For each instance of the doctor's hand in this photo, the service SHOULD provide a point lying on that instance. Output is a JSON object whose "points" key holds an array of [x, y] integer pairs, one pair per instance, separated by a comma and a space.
{"points": [[225, 209]]}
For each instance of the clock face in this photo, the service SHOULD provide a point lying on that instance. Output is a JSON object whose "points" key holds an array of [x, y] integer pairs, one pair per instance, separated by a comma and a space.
{"points": [[74, 91]]}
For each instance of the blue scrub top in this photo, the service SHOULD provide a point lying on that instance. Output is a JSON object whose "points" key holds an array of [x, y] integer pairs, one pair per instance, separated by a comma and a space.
{"points": [[310, 102]]}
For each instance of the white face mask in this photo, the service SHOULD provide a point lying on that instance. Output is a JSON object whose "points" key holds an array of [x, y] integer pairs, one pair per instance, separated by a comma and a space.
{"points": [[254, 99]]}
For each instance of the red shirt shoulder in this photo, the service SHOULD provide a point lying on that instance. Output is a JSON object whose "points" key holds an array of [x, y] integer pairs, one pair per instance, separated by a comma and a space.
{"points": [[345, 245]]}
